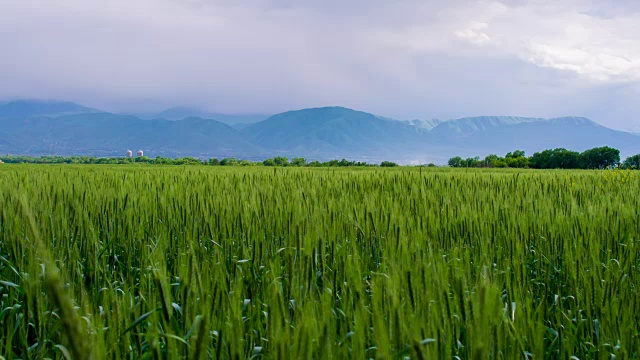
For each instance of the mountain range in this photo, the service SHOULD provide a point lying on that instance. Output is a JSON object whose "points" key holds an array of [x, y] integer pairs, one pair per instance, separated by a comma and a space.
{"points": [[64, 128], [179, 113]]}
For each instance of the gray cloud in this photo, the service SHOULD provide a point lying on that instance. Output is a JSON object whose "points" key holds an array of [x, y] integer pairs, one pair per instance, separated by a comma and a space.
{"points": [[406, 58]]}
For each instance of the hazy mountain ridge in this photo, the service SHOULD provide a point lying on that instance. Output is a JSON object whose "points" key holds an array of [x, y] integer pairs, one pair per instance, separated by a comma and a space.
{"points": [[28, 108], [634, 131], [316, 133], [424, 124], [466, 126], [179, 113], [572, 133]]}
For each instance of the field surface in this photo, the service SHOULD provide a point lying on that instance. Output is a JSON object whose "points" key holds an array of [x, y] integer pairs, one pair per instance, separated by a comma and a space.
{"points": [[131, 262]]}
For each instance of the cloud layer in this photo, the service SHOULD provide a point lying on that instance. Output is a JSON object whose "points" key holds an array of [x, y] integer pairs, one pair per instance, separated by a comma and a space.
{"points": [[406, 59]]}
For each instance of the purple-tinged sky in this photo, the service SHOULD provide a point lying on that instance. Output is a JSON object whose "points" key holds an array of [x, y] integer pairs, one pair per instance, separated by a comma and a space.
{"points": [[404, 58]]}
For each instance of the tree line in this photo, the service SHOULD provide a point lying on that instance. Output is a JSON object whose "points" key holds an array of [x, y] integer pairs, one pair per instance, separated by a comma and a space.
{"points": [[597, 158], [276, 161], [560, 158]]}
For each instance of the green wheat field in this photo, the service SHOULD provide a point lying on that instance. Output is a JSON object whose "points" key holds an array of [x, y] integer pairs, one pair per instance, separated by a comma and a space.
{"points": [[135, 262]]}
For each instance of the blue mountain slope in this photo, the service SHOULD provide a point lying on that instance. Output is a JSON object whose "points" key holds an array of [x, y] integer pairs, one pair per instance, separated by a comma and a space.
{"points": [[467, 126], [29, 108], [332, 130], [531, 135], [179, 113], [111, 134]]}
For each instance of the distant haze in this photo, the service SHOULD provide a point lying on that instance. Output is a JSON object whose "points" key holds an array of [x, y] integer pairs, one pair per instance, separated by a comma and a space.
{"points": [[406, 59]]}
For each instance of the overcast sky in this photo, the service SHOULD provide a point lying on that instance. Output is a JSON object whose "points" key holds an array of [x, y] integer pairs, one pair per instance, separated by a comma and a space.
{"points": [[402, 58]]}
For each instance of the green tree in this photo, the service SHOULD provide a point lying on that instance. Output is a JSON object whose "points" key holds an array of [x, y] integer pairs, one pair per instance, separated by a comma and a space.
{"points": [[162, 160], [472, 162], [600, 158], [345, 162], [245, 163], [143, 159], [517, 162], [269, 162], [516, 154], [455, 161], [499, 163], [632, 162], [388, 164], [559, 158], [187, 161], [492, 160], [298, 161], [281, 161], [516, 159], [228, 162]]}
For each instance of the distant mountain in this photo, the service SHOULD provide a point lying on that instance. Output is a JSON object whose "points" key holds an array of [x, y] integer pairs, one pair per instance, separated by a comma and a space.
{"points": [[487, 135], [467, 126], [29, 108], [332, 130], [424, 124], [318, 133], [106, 134], [179, 113]]}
